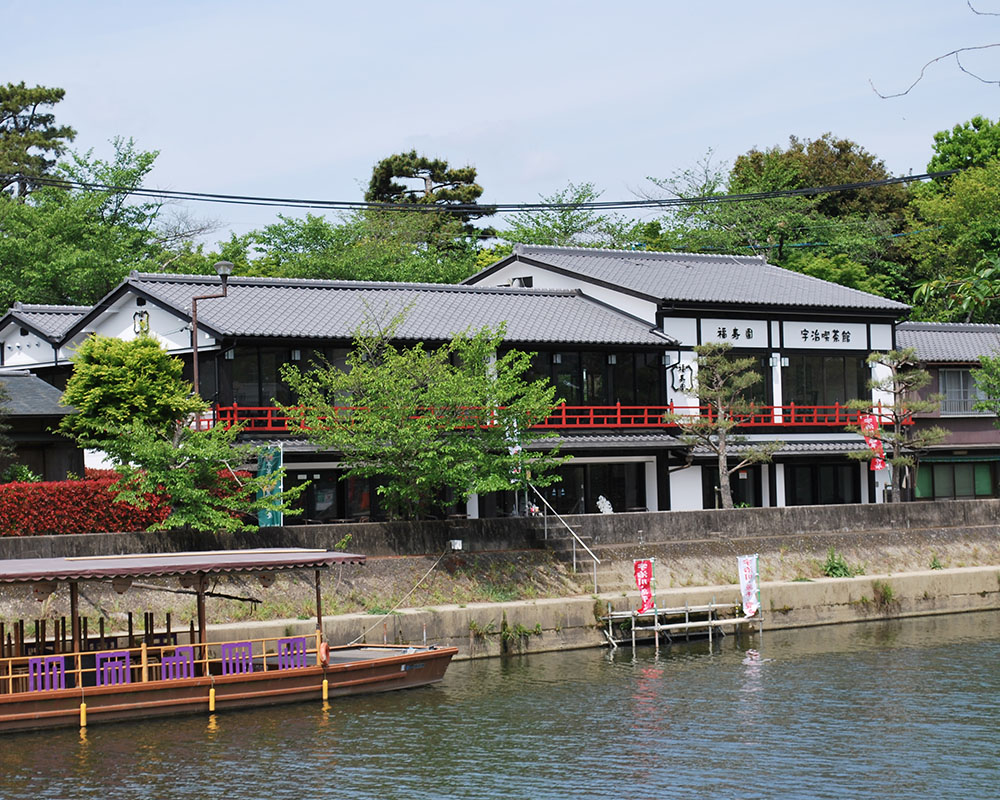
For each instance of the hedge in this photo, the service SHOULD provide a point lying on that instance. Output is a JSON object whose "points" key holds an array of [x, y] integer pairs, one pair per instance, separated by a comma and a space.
{"points": [[82, 506]]}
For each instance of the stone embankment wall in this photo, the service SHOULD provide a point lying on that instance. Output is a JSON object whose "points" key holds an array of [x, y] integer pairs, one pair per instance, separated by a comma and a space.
{"points": [[709, 531], [490, 629], [685, 542]]}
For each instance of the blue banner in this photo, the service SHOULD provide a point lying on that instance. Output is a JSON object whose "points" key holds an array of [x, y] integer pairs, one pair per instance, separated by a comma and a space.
{"points": [[269, 461]]}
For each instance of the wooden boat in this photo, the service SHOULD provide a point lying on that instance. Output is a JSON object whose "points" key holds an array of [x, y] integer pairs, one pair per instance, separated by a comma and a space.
{"points": [[81, 679]]}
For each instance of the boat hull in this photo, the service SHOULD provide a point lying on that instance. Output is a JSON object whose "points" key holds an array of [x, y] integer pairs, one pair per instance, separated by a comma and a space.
{"points": [[351, 671]]}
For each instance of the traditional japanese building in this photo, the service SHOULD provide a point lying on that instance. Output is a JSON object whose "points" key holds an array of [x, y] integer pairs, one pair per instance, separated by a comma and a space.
{"points": [[615, 331], [967, 463]]}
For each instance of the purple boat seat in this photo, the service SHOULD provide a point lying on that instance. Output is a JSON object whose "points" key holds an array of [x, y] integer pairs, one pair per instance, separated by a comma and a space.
{"points": [[180, 665], [46, 673], [237, 658], [292, 653], [113, 668]]}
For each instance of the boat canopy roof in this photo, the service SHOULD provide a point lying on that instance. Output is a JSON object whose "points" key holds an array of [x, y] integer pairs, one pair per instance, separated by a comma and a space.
{"points": [[138, 565]]}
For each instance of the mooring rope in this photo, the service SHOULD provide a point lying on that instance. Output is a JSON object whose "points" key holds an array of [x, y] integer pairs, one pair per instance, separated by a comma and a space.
{"points": [[402, 599]]}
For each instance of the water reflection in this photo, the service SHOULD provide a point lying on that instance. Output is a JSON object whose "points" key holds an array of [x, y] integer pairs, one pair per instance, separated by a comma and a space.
{"points": [[873, 710]]}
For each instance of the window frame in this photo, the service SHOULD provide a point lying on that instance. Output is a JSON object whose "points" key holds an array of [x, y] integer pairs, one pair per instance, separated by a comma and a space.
{"points": [[969, 393]]}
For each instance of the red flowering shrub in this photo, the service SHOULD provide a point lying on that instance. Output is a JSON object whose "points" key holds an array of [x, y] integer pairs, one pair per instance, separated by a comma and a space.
{"points": [[87, 506]]}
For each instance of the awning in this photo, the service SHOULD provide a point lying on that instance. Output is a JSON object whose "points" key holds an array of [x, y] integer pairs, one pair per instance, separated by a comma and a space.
{"points": [[957, 459], [149, 565]]}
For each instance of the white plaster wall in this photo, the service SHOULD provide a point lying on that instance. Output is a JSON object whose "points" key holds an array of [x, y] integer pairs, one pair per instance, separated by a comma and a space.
{"points": [[883, 480], [881, 337], [172, 331], [779, 485], [683, 329], [652, 493], [881, 372], [776, 394], [24, 351], [688, 367], [96, 459], [545, 279], [472, 506], [685, 489]]}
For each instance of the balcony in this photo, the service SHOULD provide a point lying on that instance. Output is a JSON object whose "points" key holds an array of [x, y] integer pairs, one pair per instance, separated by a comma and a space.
{"points": [[269, 419]]}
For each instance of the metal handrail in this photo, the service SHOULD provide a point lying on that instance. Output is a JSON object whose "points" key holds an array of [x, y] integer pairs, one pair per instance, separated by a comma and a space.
{"points": [[576, 538]]}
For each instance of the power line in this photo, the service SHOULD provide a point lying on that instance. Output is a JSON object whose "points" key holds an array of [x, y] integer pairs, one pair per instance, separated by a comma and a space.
{"points": [[472, 208]]}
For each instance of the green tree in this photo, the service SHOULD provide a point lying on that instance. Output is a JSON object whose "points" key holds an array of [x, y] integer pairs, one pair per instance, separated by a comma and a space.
{"points": [[371, 245], [826, 161], [570, 224], [956, 250], [116, 383], [135, 407], [426, 421], [29, 136], [723, 384], [969, 144], [902, 441], [437, 183], [987, 379], [793, 231], [198, 471], [73, 245]]}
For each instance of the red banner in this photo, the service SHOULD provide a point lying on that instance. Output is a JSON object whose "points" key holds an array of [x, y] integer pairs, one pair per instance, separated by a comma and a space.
{"points": [[869, 429], [644, 582]]}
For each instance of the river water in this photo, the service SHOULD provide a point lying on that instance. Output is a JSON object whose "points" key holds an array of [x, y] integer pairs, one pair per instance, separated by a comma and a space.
{"points": [[900, 709]]}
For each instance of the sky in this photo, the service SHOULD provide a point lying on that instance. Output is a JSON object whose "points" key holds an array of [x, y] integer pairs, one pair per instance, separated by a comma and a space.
{"points": [[301, 99]]}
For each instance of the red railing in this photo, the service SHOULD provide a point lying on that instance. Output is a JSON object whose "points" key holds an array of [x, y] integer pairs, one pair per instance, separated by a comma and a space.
{"points": [[269, 419]]}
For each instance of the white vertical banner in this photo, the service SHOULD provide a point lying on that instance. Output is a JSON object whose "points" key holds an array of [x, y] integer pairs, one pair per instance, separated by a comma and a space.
{"points": [[749, 584]]}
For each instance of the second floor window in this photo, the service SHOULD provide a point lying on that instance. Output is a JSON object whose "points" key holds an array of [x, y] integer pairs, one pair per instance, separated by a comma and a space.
{"points": [[810, 380], [959, 392]]}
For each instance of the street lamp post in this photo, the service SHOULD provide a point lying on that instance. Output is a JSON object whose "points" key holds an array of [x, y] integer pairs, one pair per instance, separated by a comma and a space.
{"points": [[224, 269]]}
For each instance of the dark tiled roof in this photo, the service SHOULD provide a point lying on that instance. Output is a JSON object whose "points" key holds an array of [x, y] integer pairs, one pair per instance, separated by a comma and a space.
{"points": [[955, 342], [700, 278], [807, 447], [604, 441], [291, 308], [51, 321], [30, 396], [842, 446]]}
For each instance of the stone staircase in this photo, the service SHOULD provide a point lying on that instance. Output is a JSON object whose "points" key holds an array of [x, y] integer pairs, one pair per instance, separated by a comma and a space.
{"points": [[611, 571]]}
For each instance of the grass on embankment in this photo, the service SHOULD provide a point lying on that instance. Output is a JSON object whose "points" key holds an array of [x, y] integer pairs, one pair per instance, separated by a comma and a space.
{"points": [[465, 578]]}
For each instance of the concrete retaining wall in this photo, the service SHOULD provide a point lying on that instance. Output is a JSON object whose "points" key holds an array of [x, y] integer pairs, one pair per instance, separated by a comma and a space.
{"points": [[559, 624], [402, 538]]}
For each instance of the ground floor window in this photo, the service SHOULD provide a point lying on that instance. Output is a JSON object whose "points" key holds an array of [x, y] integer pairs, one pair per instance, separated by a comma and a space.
{"points": [[623, 485], [822, 484], [944, 481], [329, 497], [745, 485]]}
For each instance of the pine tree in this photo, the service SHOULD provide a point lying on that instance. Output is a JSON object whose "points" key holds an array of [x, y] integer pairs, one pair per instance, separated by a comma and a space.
{"points": [[29, 136]]}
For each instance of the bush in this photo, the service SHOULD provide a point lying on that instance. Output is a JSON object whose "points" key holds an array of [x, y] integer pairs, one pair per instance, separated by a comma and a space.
{"points": [[18, 473], [87, 506], [836, 566]]}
